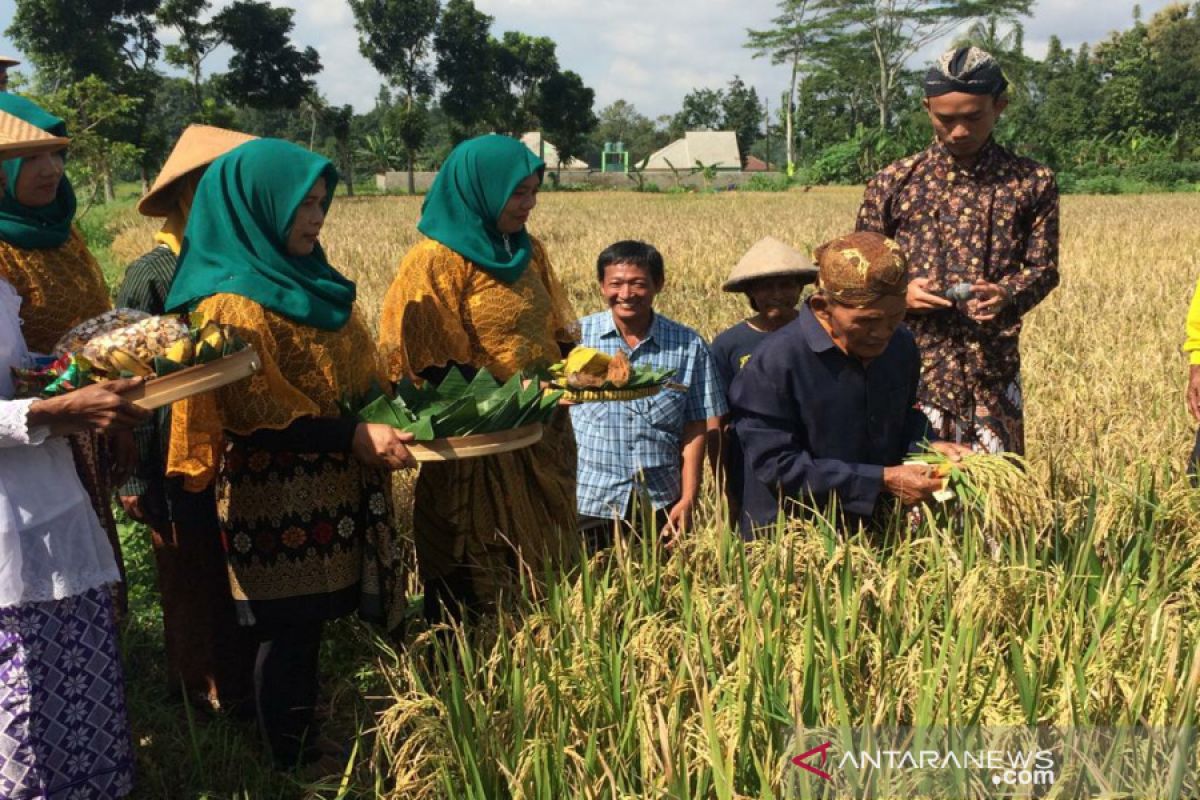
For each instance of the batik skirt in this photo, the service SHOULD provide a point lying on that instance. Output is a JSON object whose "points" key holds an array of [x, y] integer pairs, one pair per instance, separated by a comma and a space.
{"points": [[64, 734], [308, 536]]}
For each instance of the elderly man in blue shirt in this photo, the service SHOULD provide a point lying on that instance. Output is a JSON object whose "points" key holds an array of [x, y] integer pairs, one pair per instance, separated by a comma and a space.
{"points": [[651, 448], [826, 407]]}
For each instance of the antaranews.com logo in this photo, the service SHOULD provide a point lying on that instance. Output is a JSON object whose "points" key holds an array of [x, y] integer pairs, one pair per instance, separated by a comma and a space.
{"points": [[1011, 768], [997, 762]]}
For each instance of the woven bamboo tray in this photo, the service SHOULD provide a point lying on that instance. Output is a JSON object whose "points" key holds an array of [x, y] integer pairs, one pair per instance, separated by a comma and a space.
{"points": [[159, 392], [456, 448], [616, 395]]}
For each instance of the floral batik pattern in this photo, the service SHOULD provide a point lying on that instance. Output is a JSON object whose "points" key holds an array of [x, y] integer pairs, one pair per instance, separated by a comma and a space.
{"points": [[997, 222], [306, 525], [64, 734]]}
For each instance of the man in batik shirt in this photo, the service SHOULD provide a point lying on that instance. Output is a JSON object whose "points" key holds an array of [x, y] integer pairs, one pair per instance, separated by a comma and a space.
{"points": [[979, 227]]}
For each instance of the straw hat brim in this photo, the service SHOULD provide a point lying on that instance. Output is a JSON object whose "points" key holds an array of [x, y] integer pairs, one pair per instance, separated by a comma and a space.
{"points": [[19, 139], [740, 284], [769, 258], [198, 146], [6, 62]]}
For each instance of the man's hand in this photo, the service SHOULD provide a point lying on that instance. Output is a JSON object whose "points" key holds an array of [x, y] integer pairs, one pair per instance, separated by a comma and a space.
{"points": [[679, 522], [97, 407], [382, 446], [951, 450], [921, 301], [990, 299], [1193, 391], [911, 484]]}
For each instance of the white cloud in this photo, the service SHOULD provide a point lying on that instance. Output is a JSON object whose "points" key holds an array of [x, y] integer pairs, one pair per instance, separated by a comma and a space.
{"points": [[649, 52]]}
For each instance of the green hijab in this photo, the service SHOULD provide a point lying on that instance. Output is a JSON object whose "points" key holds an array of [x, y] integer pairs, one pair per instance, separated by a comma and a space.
{"points": [[24, 226], [236, 237], [466, 199]]}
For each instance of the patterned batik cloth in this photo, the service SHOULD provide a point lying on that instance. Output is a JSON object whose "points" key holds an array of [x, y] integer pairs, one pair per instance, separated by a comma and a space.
{"points": [[296, 528], [300, 529], [60, 287], [482, 514], [997, 222], [64, 734]]}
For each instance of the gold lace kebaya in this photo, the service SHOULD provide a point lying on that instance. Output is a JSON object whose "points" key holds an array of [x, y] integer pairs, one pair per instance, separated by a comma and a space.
{"points": [[60, 287], [478, 518]]}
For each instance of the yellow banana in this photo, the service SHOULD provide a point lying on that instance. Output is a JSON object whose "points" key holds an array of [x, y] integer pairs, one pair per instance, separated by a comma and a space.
{"points": [[124, 361]]}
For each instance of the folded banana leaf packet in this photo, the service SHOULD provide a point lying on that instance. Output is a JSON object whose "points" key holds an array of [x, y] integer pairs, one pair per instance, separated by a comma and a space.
{"points": [[461, 407]]}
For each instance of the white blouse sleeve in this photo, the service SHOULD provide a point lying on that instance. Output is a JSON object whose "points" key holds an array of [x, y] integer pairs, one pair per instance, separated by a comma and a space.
{"points": [[14, 425]]}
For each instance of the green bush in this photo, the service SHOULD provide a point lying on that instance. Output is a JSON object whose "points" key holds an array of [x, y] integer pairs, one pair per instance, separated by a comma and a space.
{"points": [[837, 163], [767, 182]]}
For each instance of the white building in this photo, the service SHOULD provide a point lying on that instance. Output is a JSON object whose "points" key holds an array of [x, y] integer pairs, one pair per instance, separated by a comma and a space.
{"points": [[549, 153], [710, 148]]}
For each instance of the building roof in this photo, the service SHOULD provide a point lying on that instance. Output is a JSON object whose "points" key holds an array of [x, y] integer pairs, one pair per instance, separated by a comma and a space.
{"points": [[710, 148], [756, 164], [549, 153]]}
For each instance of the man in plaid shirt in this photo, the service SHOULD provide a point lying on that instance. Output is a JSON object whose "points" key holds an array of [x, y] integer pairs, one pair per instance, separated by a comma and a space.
{"points": [[651, 448]]}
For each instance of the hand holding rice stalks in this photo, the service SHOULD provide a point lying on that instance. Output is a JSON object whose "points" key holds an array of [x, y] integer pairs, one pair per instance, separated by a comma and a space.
{"points": [[996, 491]]}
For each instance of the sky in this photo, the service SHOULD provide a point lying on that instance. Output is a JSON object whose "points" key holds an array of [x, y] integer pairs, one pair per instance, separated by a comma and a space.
{"points": [[648, 52]]}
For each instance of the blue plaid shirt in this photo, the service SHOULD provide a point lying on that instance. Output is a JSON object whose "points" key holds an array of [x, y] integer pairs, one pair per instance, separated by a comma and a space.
{"points": [[638, 443]]}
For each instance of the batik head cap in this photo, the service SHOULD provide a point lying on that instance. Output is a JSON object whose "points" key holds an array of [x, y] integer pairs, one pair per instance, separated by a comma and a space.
{"points": [[965, 69], [858, 269]]}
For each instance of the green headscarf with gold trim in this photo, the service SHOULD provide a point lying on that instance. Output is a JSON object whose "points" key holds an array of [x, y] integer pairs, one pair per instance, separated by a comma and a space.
{"points": [[24, 226], [236, 237]]}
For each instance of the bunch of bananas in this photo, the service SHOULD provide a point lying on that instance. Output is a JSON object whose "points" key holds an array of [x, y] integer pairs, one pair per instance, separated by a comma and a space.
{"points": [[127, 342], [132, 349]]}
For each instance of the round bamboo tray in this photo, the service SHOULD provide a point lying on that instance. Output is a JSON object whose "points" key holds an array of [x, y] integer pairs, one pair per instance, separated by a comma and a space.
{"points": [[609, 395], [159, 392], [456, 448]]}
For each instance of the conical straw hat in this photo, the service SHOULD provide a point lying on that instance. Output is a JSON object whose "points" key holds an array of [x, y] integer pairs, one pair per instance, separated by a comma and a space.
{"points": [[8, 61], [769, 258], [198, 146], [19, 139]]}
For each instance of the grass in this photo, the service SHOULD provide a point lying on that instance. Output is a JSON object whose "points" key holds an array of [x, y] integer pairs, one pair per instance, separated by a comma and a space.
{"points": [[692, 676]]}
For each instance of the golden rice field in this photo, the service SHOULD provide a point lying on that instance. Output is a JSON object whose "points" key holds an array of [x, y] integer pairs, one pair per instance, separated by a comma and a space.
{"points": [[693, 676]]}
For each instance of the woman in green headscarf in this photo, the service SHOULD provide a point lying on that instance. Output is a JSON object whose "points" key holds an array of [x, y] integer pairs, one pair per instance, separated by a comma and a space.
{"points": [[42, 254], [44, 257], [479, 292], [303, 495]]}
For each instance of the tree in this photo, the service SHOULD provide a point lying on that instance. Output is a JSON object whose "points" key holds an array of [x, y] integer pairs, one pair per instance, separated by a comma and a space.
{"points": [[382, 150], [564, 109], [266, 71], [701, 111], [90, 107], [67, 40], [742, 113], [120, 48], [340, 122], [396, 36], [621, 122], [796, 33], [197, 40], [466, 58], [888, 33], [522, 62], [1172, 86]]}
